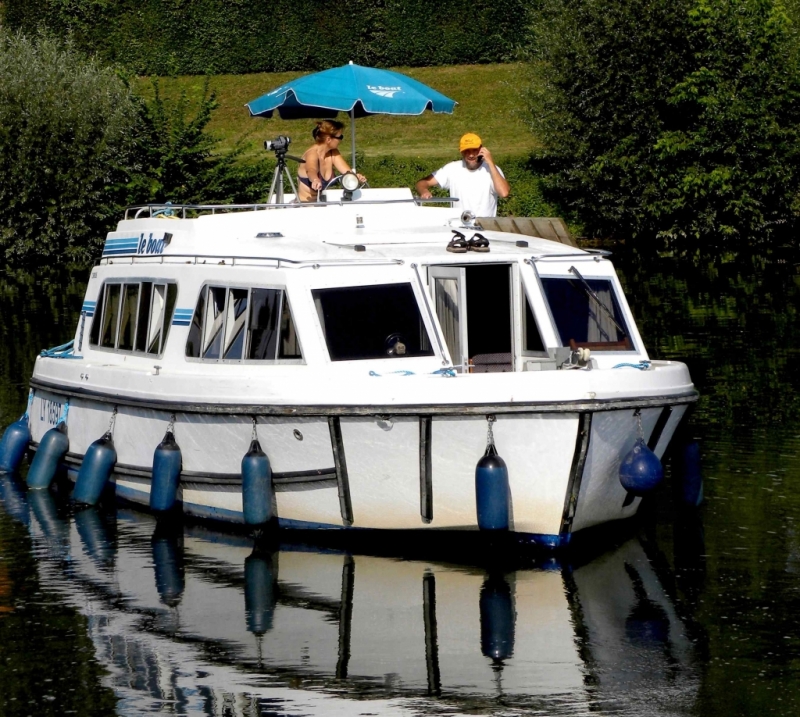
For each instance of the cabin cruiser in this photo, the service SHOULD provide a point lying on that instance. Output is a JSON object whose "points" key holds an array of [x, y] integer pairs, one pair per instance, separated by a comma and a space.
{"points": [[374, 366]]}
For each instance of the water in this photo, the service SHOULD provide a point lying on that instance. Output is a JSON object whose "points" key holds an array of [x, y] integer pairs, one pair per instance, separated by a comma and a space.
{"points": [[681, 613]]}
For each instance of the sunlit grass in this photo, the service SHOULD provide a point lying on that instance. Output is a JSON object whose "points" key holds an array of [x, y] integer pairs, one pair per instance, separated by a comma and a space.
{"points": [[490, 102]]}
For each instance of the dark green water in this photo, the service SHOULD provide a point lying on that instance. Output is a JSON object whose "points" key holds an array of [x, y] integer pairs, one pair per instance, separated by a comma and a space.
{"points": [[681, 614]]}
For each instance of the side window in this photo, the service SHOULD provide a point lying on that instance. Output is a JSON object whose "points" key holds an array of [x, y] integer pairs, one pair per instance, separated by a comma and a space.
{"points": [[532, 339], [127, 321], [587, 313], [110, 316], [263, 324], [235, 324], [133, 316]]}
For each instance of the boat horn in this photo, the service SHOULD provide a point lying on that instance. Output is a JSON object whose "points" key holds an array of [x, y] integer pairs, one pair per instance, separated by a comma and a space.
{"points": [[491, 486], [98, 462]]}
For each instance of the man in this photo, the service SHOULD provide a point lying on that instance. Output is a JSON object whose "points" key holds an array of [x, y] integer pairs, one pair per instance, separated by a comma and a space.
{"points": [[476, 180]]}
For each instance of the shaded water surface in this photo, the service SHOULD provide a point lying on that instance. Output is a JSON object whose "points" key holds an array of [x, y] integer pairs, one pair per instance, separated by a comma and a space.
{"points": [[684, 612]]}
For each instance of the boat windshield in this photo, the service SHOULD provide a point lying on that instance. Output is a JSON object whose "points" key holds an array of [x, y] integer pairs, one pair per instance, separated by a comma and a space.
{"points": [[372, 322], [587, 313]]}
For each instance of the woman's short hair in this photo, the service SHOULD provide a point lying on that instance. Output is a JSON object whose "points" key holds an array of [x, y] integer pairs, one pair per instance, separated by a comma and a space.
{"points": [[326, 128]]}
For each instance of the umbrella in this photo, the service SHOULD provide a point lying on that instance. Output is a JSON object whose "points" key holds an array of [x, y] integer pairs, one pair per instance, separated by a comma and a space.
{"points": [[357, 90]]}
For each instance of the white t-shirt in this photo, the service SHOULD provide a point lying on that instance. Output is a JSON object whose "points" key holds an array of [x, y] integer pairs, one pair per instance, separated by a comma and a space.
{"points": [[473, 187]]}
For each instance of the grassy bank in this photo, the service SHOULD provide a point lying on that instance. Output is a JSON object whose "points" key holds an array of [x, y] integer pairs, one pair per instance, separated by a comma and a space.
{"points": [[489, 100], [393, 150]]}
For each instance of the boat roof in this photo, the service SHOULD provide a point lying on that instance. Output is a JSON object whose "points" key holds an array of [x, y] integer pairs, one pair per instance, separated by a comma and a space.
{"points": [[377, 224]]}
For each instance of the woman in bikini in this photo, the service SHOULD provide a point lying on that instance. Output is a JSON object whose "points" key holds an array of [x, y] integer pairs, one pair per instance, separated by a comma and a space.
{"points": [[320, 159]]}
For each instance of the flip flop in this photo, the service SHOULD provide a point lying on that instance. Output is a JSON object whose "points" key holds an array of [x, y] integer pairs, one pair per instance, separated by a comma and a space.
{"points": [[458, 244], [478, 242]]}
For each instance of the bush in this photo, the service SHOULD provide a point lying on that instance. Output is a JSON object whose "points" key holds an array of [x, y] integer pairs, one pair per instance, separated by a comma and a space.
{"points": [[220, 36], [177, 159], [65, 129], [76, 147], [676, 118]]}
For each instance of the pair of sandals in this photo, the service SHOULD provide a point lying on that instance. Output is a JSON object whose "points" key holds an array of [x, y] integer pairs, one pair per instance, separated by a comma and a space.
{"points": [[459, 244]]}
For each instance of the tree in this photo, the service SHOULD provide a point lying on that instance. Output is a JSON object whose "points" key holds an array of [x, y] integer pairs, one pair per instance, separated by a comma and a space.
{"points": [[77, 146], [65, 144], [178, 161], [675, 118]]}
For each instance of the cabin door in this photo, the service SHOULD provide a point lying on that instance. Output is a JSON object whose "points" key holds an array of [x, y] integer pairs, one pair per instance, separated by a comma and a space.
{"points": [[475, 308], [449, 288]]}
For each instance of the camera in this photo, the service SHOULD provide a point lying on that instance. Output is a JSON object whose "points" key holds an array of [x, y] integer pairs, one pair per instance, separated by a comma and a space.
{"points": [[279, 144]]}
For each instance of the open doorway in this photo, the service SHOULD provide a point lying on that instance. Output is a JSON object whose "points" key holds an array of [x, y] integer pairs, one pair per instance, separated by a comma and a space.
{"points": [[474, 306]]}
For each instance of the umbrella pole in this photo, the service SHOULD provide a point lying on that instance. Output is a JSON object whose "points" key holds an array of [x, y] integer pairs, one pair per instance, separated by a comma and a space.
{"points": [[353, 135]]}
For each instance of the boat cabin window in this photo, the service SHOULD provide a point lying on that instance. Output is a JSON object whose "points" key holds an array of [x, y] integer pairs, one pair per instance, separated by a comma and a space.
{"points": [[371, 322], [587, 313], [532, 343], [238, 324], [133, 316]]}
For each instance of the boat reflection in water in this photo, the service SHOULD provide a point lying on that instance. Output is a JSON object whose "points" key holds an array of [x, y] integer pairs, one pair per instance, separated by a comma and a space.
{"points": [[192, 621]]}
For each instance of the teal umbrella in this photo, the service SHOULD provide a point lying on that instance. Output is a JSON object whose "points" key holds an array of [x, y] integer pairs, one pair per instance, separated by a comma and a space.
{"points": [[359, 91]]}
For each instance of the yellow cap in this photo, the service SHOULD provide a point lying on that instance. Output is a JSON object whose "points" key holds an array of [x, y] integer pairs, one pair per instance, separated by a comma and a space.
{"points": [[469, 141]]}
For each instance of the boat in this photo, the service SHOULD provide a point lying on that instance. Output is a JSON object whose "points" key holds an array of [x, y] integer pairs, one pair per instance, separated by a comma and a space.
{"points": [[368, 371], [202, 618]]}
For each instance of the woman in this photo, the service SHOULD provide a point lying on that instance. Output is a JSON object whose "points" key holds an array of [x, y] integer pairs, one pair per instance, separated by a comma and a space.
{"points": [[319, 161]]}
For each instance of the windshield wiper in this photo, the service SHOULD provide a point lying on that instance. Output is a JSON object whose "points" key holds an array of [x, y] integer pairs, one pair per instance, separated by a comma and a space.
{"points": [[592, 294]]}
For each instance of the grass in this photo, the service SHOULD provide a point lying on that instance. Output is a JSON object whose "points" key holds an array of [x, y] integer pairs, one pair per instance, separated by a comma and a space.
{"points": [[392, 150], [490, 102]]}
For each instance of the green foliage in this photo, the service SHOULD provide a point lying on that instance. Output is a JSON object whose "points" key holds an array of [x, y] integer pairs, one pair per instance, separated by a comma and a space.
{"points": [[76, 147], [177, 158], [238, 36], [676, 118], [65, 124]]}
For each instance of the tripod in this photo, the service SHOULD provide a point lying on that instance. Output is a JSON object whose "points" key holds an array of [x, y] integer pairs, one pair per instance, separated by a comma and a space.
{"points": [[276, 188]]}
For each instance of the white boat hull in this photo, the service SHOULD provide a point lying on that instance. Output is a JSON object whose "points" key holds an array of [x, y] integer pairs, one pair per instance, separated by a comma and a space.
{"points": [[340, 469]]}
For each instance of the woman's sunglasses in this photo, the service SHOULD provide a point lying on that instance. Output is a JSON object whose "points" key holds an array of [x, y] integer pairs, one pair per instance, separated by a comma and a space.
{"points": [[337, 136]]}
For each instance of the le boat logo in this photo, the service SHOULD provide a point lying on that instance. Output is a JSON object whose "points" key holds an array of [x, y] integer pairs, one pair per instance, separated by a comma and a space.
{"points": [[49, 411], [145, 243], [153, 243], [383, 91]]}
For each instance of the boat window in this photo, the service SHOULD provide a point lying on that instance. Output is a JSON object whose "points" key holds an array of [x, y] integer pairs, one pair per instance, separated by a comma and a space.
{"points": [[233, 324], [236, 317], [127, 323], [532, 339], [94, 332], [290, 346], [446, 291], [144, 315], [263, 329], [371, 322], [587, 313], [134, 316], [108, 335], [214, 321]]}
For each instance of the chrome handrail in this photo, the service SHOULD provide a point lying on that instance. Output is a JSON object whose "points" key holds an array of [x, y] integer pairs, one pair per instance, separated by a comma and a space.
{"points": [[213, 208], [229, 260]]}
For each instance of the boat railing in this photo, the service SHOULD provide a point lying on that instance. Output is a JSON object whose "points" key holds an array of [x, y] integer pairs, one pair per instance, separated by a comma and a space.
{"points": [[596, 254], [175, 211], [220, 260]]}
